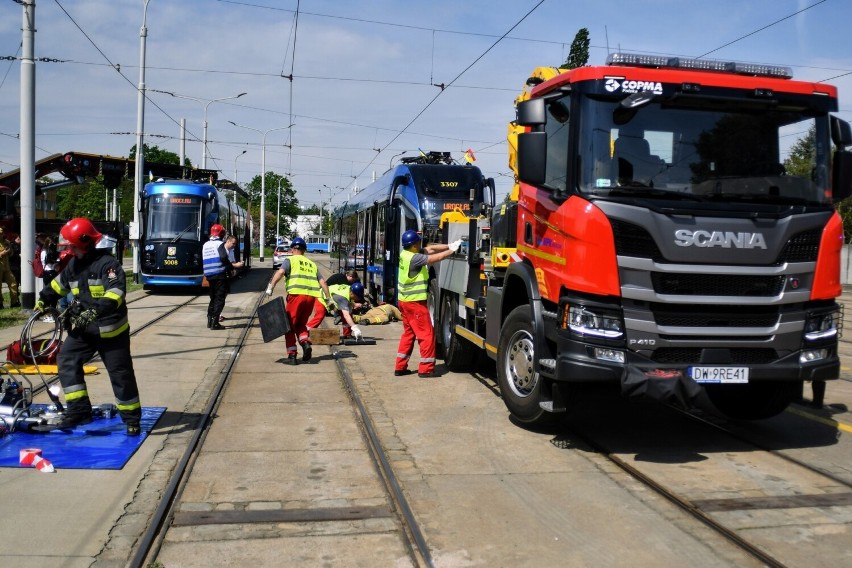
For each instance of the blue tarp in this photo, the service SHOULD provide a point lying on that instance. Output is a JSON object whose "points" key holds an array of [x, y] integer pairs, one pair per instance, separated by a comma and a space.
{"points": [[101, 444]]}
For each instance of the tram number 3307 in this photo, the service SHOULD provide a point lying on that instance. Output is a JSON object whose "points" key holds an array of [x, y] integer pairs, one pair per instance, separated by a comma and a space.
{"points": [[719, 374]]}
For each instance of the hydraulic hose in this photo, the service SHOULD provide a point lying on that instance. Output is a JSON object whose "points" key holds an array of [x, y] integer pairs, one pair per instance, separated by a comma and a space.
{"points": [[46, 347]]}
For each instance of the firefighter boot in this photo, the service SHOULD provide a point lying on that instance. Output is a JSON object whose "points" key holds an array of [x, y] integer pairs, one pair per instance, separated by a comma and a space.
{"points": [[307, 351]]}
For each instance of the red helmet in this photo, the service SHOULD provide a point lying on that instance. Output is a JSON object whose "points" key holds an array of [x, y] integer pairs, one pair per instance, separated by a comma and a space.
{"points": [[217, 230], [81, 233]]}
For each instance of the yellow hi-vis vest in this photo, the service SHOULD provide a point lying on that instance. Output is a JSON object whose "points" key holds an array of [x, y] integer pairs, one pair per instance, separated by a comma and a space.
{"points": [[302, 280], [411, 288]]}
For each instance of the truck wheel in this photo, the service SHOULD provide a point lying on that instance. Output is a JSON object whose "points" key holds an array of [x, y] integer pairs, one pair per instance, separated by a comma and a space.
{"points": [[520, 384], [754, 401], [459, 354]]}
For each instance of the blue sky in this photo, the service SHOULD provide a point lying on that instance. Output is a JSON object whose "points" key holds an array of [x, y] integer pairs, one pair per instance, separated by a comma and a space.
{"points": [[363, 73]]}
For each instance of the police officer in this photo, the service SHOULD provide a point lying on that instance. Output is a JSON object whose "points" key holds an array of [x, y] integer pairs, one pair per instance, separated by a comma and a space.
{"points": [[304, 286], [412, 292], [217, 270], [96, 321]]}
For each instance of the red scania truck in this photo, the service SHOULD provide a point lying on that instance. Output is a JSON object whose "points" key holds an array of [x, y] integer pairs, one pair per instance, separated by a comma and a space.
{"points": [[654, 239]]}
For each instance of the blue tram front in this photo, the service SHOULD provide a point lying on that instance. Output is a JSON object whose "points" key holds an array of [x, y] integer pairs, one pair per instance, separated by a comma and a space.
{"points": [[177, 215]]}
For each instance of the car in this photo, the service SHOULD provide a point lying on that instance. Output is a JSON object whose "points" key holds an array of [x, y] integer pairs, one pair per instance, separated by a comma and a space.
{"points": [[355, 259], [281, 252]]}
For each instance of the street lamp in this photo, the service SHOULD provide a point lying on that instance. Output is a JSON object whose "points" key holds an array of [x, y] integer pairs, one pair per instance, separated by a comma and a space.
{"points": [[331, 195], [236, 178], [204, 103], [262, 180], [139, 182]]}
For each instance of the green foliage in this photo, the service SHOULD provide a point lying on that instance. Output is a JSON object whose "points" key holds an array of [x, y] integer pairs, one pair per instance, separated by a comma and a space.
{"points": [[579, 54], [802, 155], [801, 162], [157, 155], [289, 204]]}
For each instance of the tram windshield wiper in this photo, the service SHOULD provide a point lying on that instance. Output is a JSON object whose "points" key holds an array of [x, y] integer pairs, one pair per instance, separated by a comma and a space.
{"points": [[182, 233]]}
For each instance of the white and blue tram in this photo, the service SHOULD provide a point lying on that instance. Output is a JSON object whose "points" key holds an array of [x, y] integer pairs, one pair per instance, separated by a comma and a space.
{"points": [[415, 194], [176, 219]]}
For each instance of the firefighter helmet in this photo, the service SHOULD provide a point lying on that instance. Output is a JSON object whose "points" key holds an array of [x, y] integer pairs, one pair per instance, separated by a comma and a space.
{"points": [[358, 290], [217, 230], [409, 238], [299, 243], [80, 232]]}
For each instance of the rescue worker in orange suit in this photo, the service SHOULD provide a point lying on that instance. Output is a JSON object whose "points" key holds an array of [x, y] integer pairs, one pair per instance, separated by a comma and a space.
{"points": [[217, 269], [412, 292], [96, 322], [304, 285]]}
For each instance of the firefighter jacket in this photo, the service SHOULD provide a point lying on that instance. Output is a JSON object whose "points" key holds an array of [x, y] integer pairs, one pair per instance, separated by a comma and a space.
{"points": [[411, 288], [303, 278], [97, 281]]}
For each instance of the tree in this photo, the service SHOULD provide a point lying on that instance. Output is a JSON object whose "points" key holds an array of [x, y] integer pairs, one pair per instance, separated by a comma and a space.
{"points": [[157, 155], [289, 205], [801, 162], [579, 54]]}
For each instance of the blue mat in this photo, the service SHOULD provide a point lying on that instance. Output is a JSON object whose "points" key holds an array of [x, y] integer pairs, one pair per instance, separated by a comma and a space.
{"points": [[101, 444]]}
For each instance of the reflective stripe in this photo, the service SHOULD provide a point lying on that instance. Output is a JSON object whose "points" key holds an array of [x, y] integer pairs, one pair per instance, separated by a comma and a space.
{"points": [[402, 356], [128, 405], [96, 288], [69, 396], [115, 329], [57, 287], [411, 289], [427, 359]]}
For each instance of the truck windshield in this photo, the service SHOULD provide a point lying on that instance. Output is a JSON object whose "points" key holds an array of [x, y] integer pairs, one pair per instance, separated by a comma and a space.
{"points": [[663, 151]]}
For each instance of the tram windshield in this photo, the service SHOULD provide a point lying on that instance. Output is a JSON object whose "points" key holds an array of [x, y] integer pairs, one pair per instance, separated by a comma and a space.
{"points": [[444, 189], [174, 217]]}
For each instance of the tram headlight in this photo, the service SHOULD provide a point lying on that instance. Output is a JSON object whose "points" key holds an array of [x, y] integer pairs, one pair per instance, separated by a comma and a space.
{"points": [[594, 321]]}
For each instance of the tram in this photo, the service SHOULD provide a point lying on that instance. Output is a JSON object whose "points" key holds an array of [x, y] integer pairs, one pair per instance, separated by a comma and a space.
{"points": [[176, 219], [419, 193], [317, 243]]}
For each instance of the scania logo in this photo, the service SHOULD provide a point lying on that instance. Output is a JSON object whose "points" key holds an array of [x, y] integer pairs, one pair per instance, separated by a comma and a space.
{"points": [[724, 239]]}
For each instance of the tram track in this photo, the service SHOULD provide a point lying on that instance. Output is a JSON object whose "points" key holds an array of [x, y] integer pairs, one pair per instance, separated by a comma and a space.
{"points": [[804, 484], [151, 542]]}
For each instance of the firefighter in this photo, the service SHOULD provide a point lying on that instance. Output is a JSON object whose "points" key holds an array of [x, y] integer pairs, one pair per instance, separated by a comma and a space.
{"points": [[412, 289], [217, 270], [304, 285], [96, 322]]}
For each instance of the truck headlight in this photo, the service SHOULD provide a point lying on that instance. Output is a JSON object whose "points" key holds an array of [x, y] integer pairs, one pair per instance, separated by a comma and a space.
{"points": [[590, 321], [823, 325]]}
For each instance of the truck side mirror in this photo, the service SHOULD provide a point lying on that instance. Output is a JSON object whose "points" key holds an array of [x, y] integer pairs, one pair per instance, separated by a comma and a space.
{"points": [[841, 175], [532, 157]]}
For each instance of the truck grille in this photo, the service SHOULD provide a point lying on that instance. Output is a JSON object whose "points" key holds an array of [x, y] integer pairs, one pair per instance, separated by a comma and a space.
{"points": [[740, 356], [633, 240], [715, 316], [721, 285]]}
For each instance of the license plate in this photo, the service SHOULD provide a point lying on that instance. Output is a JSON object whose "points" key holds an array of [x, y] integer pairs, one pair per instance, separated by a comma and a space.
{"points": [[726, 375]]}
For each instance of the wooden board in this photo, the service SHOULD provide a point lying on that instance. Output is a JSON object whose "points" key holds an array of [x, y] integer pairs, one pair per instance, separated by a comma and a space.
{"points": [[325, 336]]}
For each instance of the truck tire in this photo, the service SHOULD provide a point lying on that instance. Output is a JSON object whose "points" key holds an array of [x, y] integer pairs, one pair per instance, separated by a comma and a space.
{"points": [[459, 354], [520, 384], [754, 401]]}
